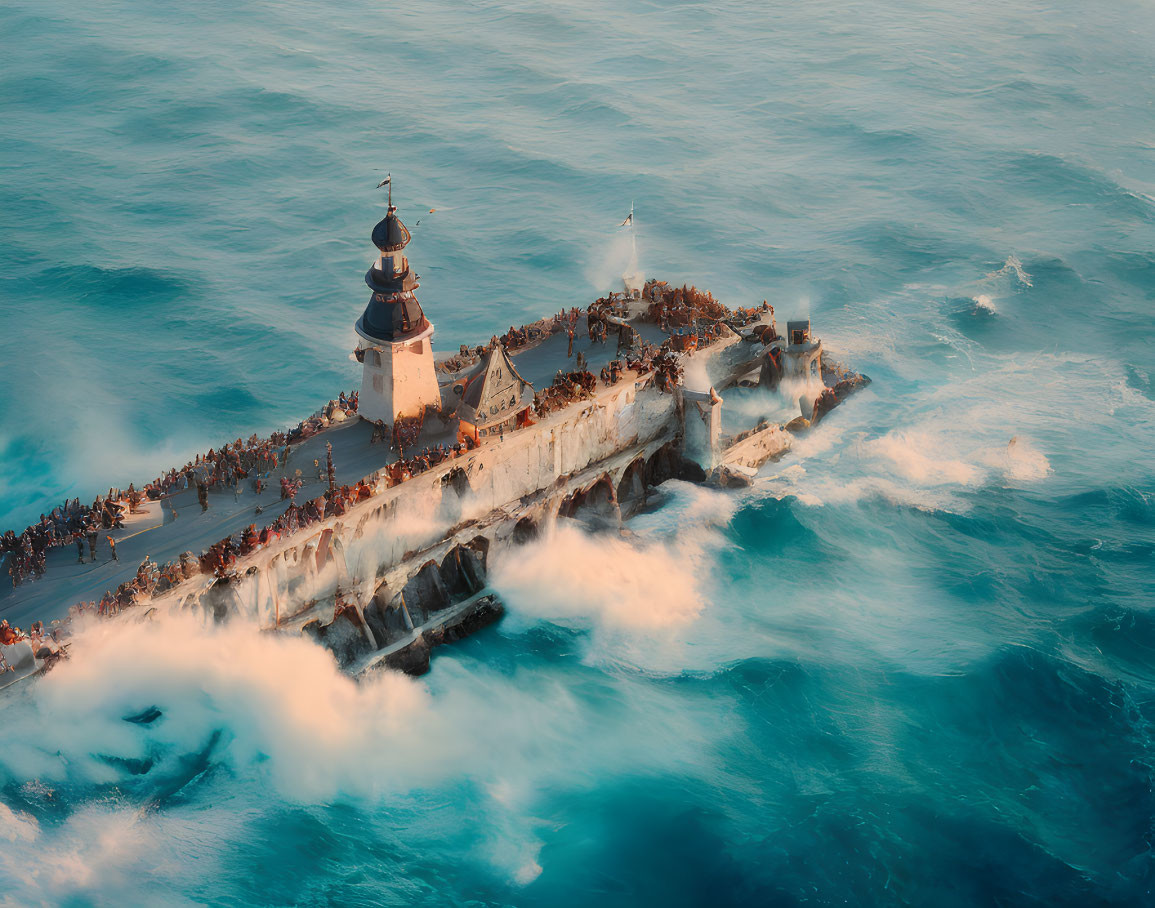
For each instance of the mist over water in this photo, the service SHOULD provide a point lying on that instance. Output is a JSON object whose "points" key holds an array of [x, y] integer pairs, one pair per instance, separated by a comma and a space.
{"points": [[912, 665]]}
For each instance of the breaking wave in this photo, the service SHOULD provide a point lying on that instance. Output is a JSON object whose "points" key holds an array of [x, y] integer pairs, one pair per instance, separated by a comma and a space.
{"points": [[636, 593], [985, 303]]}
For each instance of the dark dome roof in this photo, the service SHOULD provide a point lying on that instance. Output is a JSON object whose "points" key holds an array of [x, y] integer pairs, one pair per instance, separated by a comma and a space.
{"points": [[390, 234], [392, 318]]}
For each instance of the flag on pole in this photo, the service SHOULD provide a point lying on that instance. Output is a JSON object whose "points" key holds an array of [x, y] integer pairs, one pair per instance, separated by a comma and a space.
{"points": [[388, 181]]}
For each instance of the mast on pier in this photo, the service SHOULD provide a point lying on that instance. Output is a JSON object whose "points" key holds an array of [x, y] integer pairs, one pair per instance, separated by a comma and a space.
{"points": [[632, 278]]}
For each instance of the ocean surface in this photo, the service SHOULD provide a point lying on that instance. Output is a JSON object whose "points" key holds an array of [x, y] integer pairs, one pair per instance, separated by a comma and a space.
{"points": [[914, 665]]}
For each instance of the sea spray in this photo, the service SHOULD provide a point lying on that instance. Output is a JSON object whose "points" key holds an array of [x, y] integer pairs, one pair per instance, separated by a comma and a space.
{"points": [[637, 595], [272, 714], [614, 259]]}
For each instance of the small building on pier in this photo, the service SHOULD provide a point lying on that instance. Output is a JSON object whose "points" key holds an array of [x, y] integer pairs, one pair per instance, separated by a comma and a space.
{"points": [[496, 399]]}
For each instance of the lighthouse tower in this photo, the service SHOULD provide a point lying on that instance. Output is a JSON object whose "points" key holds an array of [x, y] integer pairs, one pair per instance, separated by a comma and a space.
{"points": [[398, 379]]}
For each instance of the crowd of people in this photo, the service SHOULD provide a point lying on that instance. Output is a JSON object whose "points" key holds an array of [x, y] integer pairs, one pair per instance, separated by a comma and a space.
{"points": [[674, 306], [221, 557], [642, 357], [563, 322], [430, 456], [48, 644], [667, 369], [516, 338], [255, 458], [224, 467], [407, 431], [71, 523], [688, 315], [36, 636], [680, 310], [567, 387]]}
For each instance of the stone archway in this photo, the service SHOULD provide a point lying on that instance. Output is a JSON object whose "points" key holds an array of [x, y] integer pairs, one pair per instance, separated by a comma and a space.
{"points": [[668, 463], [601, 499], [632, 487], [525, 530], [663, 464], [571, 504], [464, 569], [597, 505]]}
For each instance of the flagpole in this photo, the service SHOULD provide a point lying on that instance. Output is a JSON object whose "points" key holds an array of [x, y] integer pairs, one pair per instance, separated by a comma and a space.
{"points": [[633, 238]]}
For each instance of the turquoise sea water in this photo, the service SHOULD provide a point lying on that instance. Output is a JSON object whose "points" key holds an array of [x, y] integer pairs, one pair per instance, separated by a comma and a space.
{"points": [[913, 666]]}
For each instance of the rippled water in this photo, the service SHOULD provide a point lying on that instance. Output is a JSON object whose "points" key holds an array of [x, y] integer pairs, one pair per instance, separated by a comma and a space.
{"points": [[913, 665]]}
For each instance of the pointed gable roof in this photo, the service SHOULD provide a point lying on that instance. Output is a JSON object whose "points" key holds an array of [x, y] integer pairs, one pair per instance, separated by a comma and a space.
{"points": [[495, 390]]}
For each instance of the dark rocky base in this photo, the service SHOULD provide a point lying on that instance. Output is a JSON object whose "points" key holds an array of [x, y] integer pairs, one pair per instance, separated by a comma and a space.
{"points": [[414, 658]]}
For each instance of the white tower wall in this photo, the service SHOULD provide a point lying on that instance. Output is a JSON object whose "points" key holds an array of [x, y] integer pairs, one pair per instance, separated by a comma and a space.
{"points": [[398, 379]]}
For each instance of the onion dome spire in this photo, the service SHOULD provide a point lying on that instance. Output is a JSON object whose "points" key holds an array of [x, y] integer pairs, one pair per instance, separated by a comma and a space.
{"points": [[393, 313], [390, 235]]}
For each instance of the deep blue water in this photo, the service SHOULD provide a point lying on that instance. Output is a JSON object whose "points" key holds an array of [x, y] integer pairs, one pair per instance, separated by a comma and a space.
{"points": [[913, 666]]}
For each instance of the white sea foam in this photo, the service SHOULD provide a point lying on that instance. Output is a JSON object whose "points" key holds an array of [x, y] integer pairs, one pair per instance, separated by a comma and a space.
{"points": [[1019, 461], [983, 301], [1012, 266], [920, 467], [638, 595], [286, 721], [614, 583], [16, 826], [285, 714], [948, 440], [999, 284]]}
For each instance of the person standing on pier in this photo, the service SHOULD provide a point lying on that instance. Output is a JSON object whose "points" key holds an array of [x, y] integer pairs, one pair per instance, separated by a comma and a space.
{"points": [[112, 548], [202, 495], [79, 537], [93, 536]]}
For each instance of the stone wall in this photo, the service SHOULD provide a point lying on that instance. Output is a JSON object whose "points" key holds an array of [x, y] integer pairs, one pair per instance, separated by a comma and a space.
{"points": [[757, 447], [406, 568], [379, 545]]}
